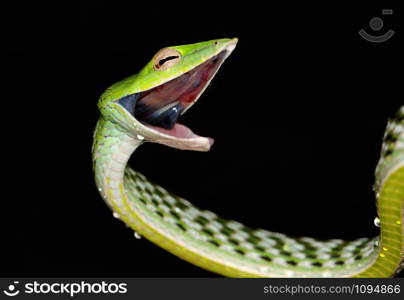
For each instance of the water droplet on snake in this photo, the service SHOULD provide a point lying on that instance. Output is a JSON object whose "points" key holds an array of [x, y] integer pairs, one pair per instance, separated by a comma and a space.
{"points": [[326, 274], [382, 255], [377, 243], [116, 215], [140, 137], [398, 222], [263, 268], [377, 222], [137, 235]]}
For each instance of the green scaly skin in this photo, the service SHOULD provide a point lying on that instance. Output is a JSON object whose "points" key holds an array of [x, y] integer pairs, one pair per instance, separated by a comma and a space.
{"points": [[224, 246]]}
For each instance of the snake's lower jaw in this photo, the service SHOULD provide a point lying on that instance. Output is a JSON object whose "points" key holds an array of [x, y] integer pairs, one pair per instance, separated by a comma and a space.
{"points": [[179, 137]]}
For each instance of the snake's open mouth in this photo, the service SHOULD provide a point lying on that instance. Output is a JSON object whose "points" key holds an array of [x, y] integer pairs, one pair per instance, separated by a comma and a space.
{"points": [[160, 107]]}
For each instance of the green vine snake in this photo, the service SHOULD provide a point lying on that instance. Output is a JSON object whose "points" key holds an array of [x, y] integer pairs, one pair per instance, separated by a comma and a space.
{"points": [[145, 108]]}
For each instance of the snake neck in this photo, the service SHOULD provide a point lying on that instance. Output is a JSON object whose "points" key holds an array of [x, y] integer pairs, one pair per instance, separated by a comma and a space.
{"points": [[231, 248], [112, 149]]}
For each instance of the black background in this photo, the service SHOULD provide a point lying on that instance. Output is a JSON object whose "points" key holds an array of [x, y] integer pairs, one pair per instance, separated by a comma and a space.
{"points": [[297, 112]]}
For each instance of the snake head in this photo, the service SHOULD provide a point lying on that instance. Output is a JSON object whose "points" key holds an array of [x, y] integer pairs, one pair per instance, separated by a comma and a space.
{"points": [[147, 105]]}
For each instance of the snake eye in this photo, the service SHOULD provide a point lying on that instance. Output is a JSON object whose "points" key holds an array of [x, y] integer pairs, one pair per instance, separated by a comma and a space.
{"points": [[166, 58]]}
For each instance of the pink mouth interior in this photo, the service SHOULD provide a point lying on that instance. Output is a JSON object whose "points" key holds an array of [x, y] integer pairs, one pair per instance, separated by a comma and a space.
{"points": [[183, 90], [179, 131]]}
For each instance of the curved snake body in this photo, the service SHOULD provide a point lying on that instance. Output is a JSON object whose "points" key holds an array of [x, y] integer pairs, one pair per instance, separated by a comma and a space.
{"points": [[232, 249]]}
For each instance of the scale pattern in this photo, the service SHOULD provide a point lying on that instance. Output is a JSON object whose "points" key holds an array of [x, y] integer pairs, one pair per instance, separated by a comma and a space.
{"points": [[151, 207], [231, 236]]}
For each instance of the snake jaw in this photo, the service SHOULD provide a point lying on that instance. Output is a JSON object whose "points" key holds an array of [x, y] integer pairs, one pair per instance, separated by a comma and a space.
{"points": [[155, 111]]}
